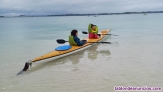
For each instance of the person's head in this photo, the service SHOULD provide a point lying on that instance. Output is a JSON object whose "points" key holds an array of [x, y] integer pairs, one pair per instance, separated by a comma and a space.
{"points": [[93, 27], [74, 32]]}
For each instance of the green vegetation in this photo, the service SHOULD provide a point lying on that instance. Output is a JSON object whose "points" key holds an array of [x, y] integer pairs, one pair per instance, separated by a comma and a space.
{"points": [[143, 12]]}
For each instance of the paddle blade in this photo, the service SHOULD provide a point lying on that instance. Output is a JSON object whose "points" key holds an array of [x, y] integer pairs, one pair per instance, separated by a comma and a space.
{"points": [[110, 34], [26, 66], [107, 42], [61, 41], [104, 42], [101, 42], [84, 32]]}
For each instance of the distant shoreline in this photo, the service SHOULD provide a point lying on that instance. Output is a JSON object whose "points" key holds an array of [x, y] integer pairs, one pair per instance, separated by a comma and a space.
{"points": [[144, 12]]}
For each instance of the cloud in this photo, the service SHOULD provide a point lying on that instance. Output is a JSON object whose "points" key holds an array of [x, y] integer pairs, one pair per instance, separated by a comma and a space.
{"points": [[45, 7], [144, 5]]}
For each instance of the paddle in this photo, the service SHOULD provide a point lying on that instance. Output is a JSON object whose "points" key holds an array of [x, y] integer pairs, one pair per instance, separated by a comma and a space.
{"points": [[61, 41], [97, 34]]}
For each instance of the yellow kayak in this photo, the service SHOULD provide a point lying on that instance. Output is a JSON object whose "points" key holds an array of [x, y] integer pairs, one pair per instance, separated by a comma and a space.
{"points": [[58, 54]]}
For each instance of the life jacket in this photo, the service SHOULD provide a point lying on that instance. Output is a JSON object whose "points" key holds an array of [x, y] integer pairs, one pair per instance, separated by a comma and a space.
{"points": [[92, 31], [71, 41]]}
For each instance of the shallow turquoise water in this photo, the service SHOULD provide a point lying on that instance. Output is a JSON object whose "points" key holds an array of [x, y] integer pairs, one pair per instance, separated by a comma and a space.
{"points": [[134, 58]]}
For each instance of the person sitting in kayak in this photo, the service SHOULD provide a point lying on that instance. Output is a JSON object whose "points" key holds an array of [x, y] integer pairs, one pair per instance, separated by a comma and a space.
{"points": [[74, 40], [93, 31]]}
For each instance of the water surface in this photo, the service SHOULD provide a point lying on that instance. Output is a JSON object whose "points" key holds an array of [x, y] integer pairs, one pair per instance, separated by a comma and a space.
{"points": [[134, 59]]}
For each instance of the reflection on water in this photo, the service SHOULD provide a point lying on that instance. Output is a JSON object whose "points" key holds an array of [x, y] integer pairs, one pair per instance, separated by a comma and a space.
{"points": [[93, 53], [135, 61], [76, 58], [90, 54]]}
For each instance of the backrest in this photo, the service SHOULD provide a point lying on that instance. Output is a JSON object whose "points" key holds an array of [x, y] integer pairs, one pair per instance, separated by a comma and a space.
{"points": [[96, 29], [90, 29], [71, 41]]}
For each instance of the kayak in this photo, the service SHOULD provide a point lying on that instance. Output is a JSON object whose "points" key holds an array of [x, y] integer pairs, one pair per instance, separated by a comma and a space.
{"points": [[70, 50], [58, 54]]}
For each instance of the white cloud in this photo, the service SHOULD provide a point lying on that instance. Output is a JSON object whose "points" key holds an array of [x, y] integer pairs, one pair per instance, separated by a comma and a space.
{"points": [[12, 14]]}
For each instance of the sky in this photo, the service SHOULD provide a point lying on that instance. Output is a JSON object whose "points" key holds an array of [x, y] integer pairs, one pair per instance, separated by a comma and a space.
{"points": [[52, 7]]}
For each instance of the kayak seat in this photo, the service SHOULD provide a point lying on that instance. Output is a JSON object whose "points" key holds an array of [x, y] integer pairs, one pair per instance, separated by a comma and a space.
{"points": [[71, 41]]}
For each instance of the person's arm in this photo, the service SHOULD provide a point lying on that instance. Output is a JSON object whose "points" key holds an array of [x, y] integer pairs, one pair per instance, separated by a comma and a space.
{"points": [[77, 40]]}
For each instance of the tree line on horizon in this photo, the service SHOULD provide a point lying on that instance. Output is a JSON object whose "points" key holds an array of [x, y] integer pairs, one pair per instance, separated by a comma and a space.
{"points": [[93, 14]]}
